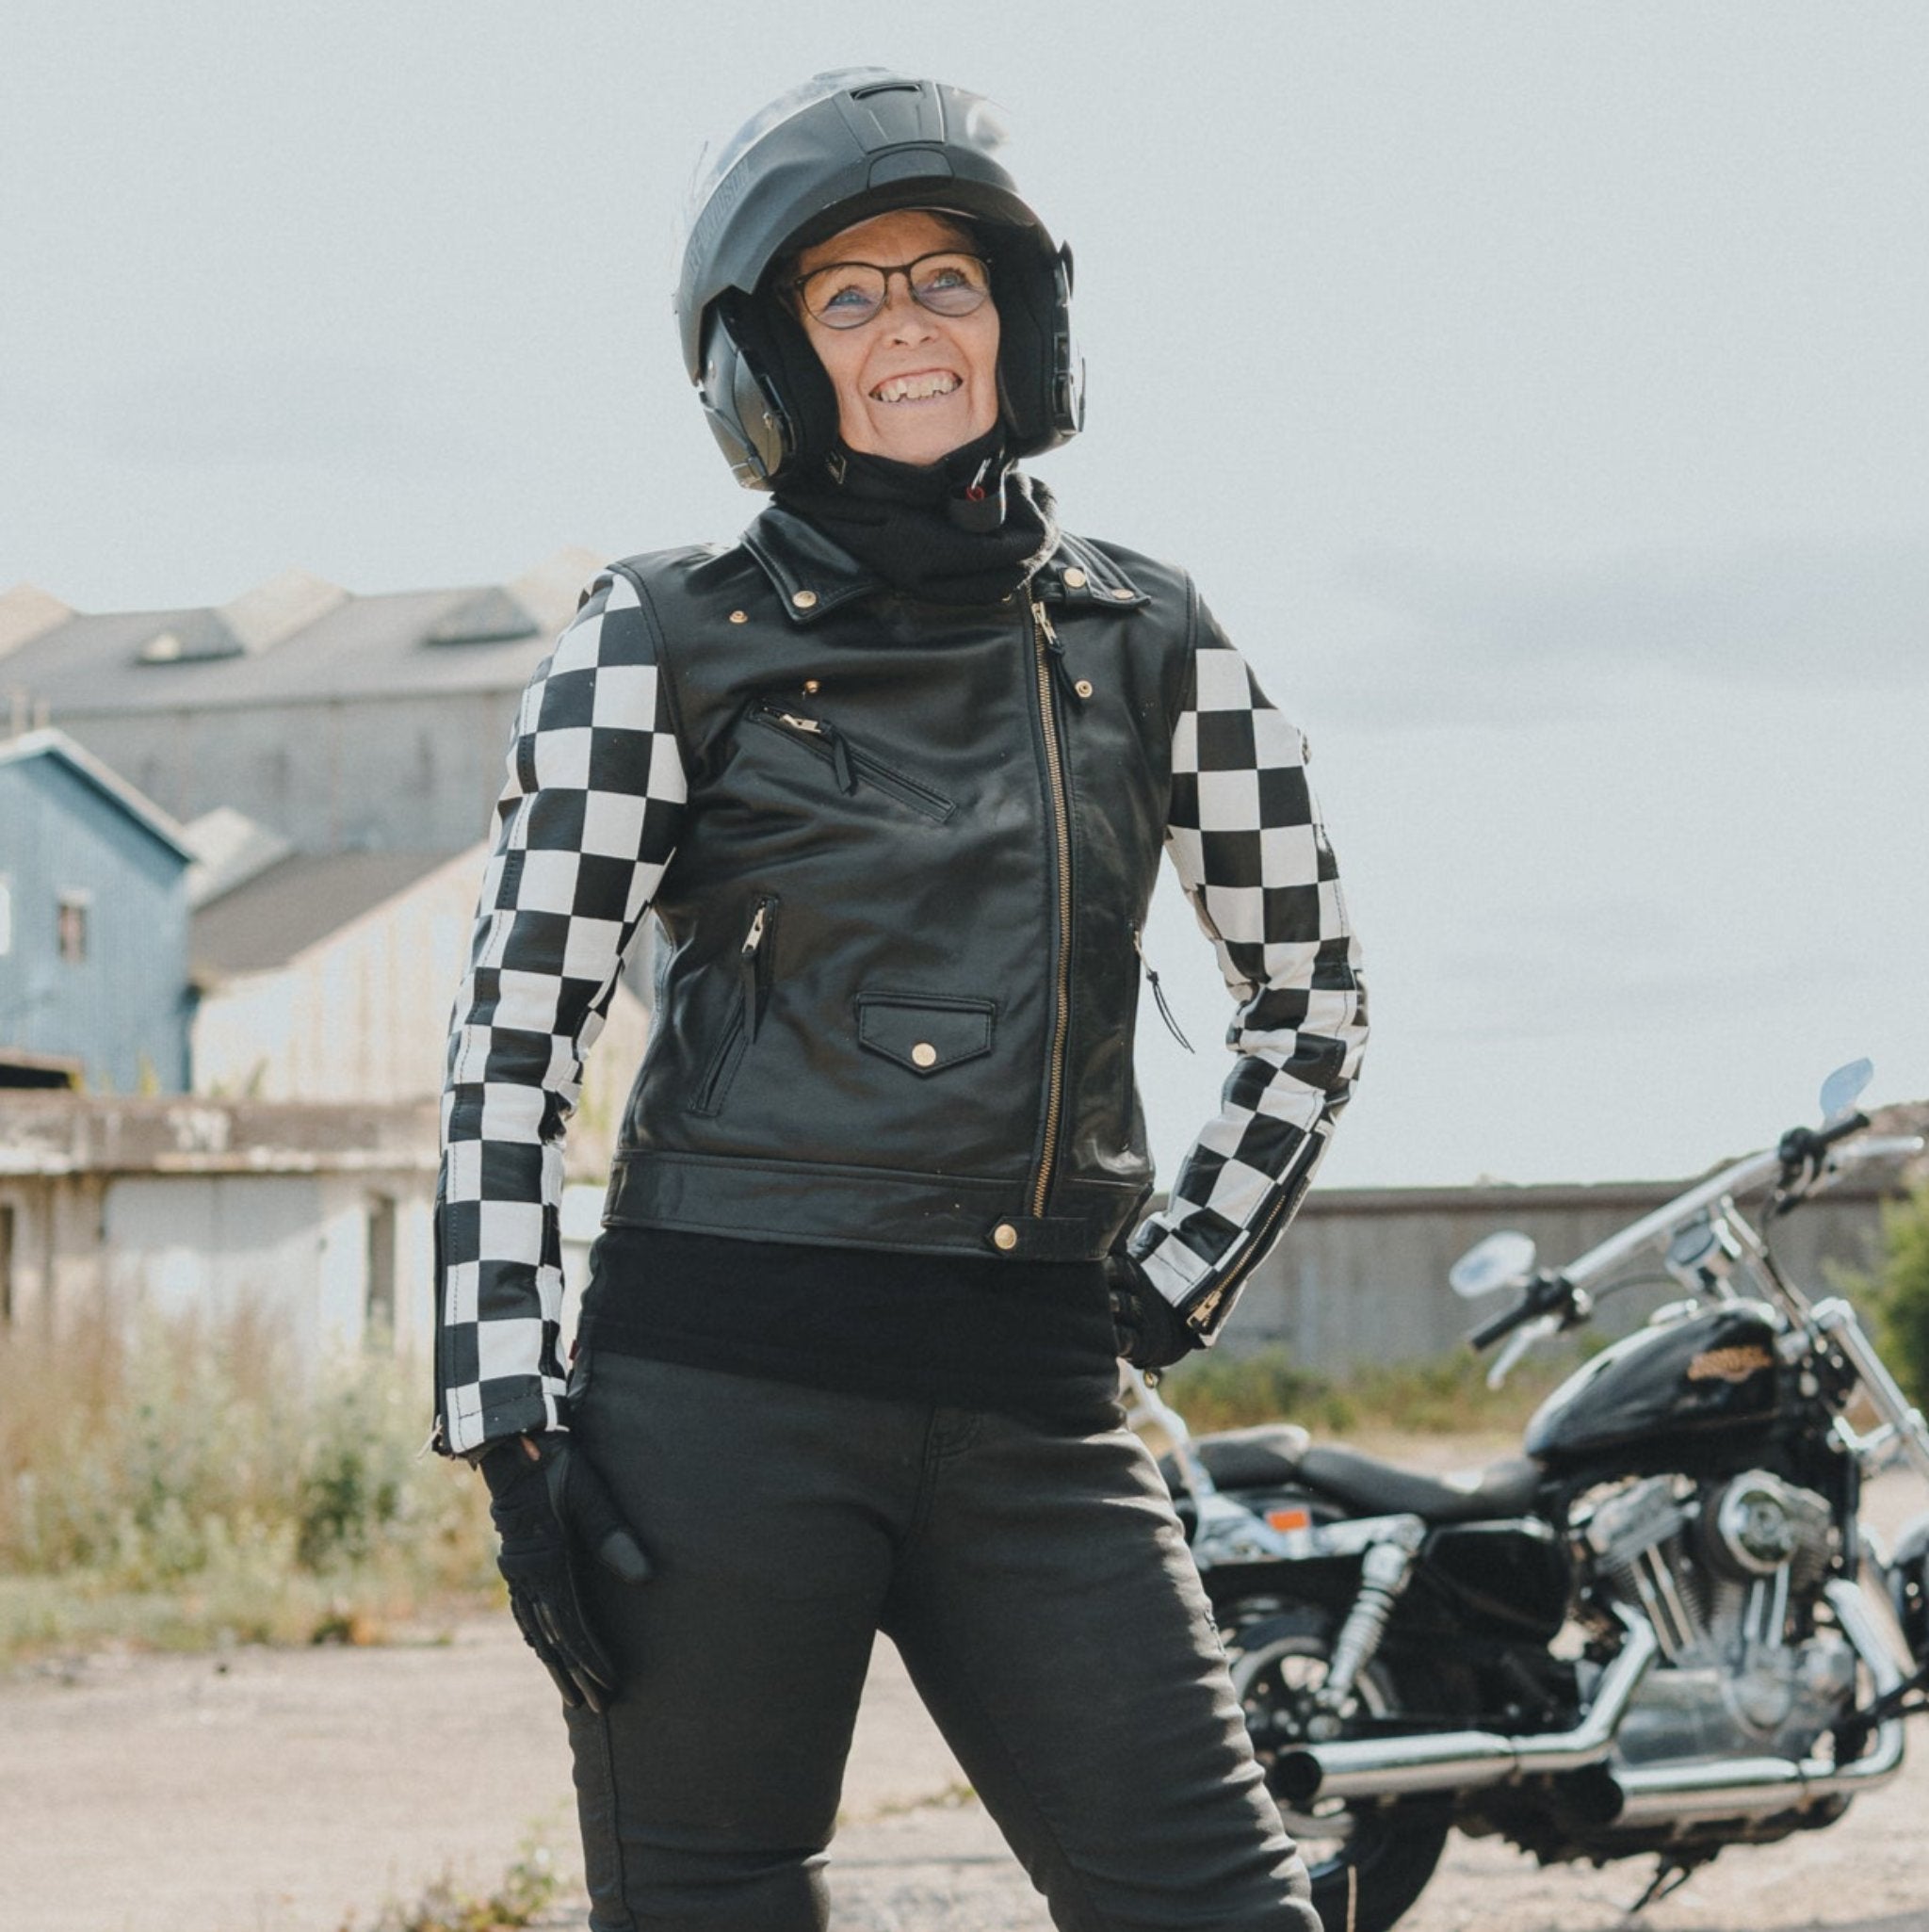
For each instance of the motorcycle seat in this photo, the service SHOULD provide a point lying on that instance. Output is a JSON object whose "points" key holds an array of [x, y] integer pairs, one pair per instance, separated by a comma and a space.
{"points": [[1264, 1457], [1363, 1481]]}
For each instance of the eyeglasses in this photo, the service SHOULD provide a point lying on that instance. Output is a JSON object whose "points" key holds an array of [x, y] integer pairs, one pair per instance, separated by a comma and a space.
{"points": [[846, 295]]}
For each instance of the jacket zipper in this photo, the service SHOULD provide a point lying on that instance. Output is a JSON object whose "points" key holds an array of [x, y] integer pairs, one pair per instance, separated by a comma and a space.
{"points": [[1046, 643], [1198, 1314], [747, 963], [848, 764], [751, 972]]}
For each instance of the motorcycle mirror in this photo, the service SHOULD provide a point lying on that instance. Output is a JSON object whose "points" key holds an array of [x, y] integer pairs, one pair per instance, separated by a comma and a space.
{"points": [[1843, 1088], [1502, 1260]]}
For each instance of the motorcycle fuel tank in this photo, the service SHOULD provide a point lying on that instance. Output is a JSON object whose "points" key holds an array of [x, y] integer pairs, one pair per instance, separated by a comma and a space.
{"points": [[1687, 1375]]}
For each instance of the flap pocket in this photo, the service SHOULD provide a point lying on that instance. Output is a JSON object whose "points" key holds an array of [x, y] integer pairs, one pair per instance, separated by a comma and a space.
{"points": [[924, 1031]]}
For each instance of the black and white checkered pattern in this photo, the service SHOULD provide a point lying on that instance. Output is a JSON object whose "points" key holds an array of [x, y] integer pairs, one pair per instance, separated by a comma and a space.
{"points": [[1245, 834], [587, 822]]}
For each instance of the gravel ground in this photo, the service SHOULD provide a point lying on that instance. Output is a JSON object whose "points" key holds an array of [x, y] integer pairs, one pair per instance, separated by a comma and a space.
{"points": [[290, 1791]]}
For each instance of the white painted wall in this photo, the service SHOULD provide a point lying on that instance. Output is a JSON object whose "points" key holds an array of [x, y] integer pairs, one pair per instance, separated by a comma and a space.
{"points": [[292, 1246], [363, 1015]]}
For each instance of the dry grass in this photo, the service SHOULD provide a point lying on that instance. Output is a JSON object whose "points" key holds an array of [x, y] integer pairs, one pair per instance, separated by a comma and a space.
{"points": [[188, 1482], [1447, 1395]]}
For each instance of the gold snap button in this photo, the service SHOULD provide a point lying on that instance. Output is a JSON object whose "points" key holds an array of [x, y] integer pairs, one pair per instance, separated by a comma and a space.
{"points": [[1124, 595], [739, 617], [1083, 687], [924, 1054], [804, 600], [1075, 580], [810, 686], [1004, 1235]]}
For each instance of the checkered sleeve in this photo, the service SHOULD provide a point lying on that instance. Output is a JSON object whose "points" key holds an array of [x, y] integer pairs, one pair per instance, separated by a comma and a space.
{"points": [[588, 820], [1245, 837]]}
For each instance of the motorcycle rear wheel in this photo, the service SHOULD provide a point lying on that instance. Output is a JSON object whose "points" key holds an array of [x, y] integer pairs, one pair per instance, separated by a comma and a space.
{"points": [[1369, 1861]]}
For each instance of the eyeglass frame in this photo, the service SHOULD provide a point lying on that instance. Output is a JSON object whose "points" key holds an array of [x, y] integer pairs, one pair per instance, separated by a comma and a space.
{"points": [[889, 269]]}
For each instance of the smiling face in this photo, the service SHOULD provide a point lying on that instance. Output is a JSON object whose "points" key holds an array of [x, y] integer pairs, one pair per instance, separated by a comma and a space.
{"points": [[911, 386]]}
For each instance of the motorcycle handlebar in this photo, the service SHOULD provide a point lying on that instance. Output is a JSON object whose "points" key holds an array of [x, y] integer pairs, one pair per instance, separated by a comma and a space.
{"points": [[1801, 1147], [1756, 1170], [1489, 1332], [1546, 1294]]}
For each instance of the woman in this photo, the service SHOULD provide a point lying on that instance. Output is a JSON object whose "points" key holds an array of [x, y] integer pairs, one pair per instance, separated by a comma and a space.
{"points": [[893, 773]]}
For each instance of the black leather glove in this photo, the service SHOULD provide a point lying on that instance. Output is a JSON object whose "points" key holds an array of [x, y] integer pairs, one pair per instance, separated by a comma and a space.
{"points": [[549, 1507], [1151, 1332]]}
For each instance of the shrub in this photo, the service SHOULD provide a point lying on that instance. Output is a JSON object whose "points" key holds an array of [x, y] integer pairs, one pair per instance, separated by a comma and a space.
{"points": [[180, 1480], [1900, 1290]]}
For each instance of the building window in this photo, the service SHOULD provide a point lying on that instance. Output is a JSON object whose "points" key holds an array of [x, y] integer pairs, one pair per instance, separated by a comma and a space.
{"points": [[379, 1304], [73, 926]]}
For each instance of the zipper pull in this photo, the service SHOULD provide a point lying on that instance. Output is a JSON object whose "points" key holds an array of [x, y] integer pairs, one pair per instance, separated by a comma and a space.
{"points": [[1171, 1026], [747, 968], [1055, 657], [841, 768]]}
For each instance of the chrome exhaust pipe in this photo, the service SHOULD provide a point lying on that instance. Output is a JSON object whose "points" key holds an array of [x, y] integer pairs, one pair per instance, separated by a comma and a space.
{"points": [[1467, 1759], [1748, 1787]]}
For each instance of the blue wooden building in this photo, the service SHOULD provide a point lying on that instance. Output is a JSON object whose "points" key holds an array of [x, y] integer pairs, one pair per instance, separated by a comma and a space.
{"points": [[93, 920]]}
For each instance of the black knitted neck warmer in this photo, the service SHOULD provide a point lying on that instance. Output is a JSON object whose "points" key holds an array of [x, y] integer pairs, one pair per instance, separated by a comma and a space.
{"points": [[968, 528]]}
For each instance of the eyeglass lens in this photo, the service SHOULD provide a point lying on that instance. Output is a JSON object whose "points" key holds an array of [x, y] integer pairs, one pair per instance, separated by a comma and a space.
{"points": [[846, 295]]}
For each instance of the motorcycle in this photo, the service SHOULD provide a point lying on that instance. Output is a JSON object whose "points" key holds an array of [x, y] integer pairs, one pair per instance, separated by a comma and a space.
{"points": [[1660, 1630]]}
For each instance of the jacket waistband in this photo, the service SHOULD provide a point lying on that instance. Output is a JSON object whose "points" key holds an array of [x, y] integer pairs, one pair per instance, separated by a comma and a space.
{"points": [[864, 1207]]}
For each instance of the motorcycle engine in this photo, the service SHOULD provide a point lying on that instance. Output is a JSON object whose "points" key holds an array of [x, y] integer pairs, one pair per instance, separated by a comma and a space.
{"points": [[1726, 1572]]}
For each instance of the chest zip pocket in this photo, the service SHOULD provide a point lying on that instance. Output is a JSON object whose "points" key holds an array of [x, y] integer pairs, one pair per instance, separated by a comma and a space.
{"points": [[849, 766], [747, 1011]]}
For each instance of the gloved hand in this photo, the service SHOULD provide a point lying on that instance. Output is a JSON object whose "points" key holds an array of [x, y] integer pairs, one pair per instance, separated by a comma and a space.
{"points": [[550, 1505], [1151, 1332]]}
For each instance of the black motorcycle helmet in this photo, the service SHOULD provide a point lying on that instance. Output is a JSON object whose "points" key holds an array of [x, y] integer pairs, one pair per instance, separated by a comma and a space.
{"points": [[841, 148]]}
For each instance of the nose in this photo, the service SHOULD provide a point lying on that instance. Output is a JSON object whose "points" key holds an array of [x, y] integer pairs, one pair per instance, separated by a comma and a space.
{"points": [[904, 317]]}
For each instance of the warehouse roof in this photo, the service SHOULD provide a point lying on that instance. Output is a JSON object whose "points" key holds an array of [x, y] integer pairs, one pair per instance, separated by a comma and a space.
{"points": [[293, 638], [268, 920]]}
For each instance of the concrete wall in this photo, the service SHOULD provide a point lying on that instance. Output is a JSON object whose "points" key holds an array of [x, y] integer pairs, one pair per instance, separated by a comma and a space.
{"points": [[295, 1249], [1361, 1276], [319, 1217]]}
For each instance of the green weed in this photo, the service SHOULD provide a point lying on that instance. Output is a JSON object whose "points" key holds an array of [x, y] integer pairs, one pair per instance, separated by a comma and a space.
{"points": [[528, 1889], [177, 1482]]}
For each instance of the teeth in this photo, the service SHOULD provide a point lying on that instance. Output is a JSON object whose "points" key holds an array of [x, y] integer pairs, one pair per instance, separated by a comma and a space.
{"points": [[916, 388]]}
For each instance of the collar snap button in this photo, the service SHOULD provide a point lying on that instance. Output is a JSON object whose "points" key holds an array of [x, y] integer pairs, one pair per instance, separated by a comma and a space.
{"points": [[805, 600], [1075, 580]]}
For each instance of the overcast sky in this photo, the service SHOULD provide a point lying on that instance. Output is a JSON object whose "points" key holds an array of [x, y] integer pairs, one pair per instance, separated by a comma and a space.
{"points": [[1538, 391]]}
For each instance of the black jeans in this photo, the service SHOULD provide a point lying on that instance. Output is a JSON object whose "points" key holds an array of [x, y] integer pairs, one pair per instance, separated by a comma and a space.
{"points": [[1039, 1592]]}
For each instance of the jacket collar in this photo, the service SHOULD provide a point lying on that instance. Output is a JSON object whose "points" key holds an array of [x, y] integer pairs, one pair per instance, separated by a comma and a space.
{"points": [[813, 575]]}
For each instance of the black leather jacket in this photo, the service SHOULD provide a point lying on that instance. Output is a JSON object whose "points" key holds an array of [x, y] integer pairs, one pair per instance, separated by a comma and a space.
{"points": [[895, 1004], [902, 855]]}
